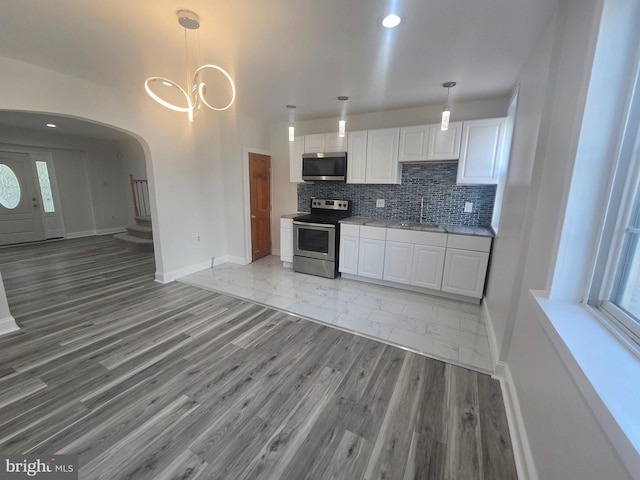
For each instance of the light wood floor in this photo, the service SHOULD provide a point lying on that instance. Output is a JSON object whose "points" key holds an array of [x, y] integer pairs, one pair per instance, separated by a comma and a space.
{"points": [[150, 381]]}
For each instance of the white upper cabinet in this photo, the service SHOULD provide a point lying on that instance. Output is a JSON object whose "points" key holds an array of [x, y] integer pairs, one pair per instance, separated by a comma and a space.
{"points": [[382, 156], [324, 142], [413, 143], [334, 143], [356, 157], [424, 143], [481, 151], [314, 143], [444, 145], [296, 149]]}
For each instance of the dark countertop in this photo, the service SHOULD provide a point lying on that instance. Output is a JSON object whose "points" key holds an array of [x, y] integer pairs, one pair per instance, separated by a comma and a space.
{"points": [[292, 215], [426, 227]]}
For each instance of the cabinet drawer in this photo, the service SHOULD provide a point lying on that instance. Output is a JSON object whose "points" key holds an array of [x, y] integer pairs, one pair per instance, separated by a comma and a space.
{"points": [[374, 233], [349, 230], [468, 242], [417, 237]]}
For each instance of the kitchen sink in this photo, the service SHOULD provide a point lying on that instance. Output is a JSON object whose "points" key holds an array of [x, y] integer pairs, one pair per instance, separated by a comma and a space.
{"points": [[415, 225]]}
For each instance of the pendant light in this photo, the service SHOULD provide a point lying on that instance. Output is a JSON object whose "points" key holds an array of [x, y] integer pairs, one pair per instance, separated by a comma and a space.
{"points": [[193, 97], [292, 134], [342, 123], [446, 111]]}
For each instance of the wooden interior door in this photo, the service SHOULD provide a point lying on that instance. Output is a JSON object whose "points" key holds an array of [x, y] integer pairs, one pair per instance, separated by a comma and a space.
{"points": [[260, 192]]}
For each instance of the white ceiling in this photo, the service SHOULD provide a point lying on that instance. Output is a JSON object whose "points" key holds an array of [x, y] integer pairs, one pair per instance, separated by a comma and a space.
{"points": [[302, 52]]}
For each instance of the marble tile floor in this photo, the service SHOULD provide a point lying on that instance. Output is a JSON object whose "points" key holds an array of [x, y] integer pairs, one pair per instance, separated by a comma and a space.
{"points": [[433, 326]]}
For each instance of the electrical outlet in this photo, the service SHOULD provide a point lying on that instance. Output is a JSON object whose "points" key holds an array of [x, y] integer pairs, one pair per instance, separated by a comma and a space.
{"points": [[380, 202], [468, 207]]}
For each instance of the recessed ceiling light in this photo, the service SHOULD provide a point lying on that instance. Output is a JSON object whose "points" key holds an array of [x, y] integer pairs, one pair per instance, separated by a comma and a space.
{"points": [[51, 125], [391, 20]]}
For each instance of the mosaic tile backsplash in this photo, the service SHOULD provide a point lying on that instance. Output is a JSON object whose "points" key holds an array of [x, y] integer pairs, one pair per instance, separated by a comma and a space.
{"points": [[436, 182]]}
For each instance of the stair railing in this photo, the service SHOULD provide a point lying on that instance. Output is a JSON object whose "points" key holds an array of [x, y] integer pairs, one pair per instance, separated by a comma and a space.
{"points": [[140, 194]]}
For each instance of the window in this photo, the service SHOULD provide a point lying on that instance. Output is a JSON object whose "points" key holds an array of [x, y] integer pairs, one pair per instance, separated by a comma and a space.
{"points": [[45, 186], [616, 286], [9, 187]]}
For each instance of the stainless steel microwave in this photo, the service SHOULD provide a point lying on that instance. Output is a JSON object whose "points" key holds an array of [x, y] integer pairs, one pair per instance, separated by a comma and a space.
{"points": [[330, 166]]}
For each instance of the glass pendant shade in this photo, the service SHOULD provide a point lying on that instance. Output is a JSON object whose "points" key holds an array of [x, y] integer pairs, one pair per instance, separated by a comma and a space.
{"points": [[342, 123], [446, 111], [446, 114], [292, 134]]}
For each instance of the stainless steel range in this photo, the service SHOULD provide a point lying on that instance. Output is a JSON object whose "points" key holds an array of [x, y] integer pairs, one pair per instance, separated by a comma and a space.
{"points": [[316, 237]]}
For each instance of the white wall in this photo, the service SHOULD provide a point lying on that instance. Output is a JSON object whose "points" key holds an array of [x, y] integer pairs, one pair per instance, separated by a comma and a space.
{"points": [[92, 186], [285, 199], [241, 134], [566, 439]]}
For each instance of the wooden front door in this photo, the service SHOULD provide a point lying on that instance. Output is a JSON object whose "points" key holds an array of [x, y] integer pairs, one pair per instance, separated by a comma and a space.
{"points": [[260, 192]]}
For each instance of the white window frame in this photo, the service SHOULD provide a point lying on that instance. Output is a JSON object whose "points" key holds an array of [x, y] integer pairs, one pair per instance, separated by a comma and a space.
{"points": [[624, 202]]}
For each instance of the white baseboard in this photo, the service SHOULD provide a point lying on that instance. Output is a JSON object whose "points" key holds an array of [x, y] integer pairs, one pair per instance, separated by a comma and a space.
{"points": [[111, 231], [238, 260], [519, 441], [220, 260], [92, 233], [230, 259], [491, 333], [166, 277], [8, 325], [88, 233]]}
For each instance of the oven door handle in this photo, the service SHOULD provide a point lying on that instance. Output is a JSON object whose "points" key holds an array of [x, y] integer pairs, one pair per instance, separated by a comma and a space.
{"points": [[321, 225]]}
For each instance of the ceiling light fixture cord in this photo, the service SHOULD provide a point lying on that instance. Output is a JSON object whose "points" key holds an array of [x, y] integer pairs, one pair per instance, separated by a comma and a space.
{"points": [[194, 95]]}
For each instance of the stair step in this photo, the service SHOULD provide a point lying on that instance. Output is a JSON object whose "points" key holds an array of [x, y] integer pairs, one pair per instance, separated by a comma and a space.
{"points": [[132, 243], [141, 231], [144, 220]]}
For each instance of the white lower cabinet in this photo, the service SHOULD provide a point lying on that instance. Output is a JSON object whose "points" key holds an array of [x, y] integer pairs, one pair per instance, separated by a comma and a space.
{"points": [[464, 272], [398, 262], [371, 252], [415, 258], [286, 240], [349, 246], [435, 261], [465, 266], [428, 265]]}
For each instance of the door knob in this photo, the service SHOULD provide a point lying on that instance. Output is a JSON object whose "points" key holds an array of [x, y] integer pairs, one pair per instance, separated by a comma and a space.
{"points": [[253, 216]]}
